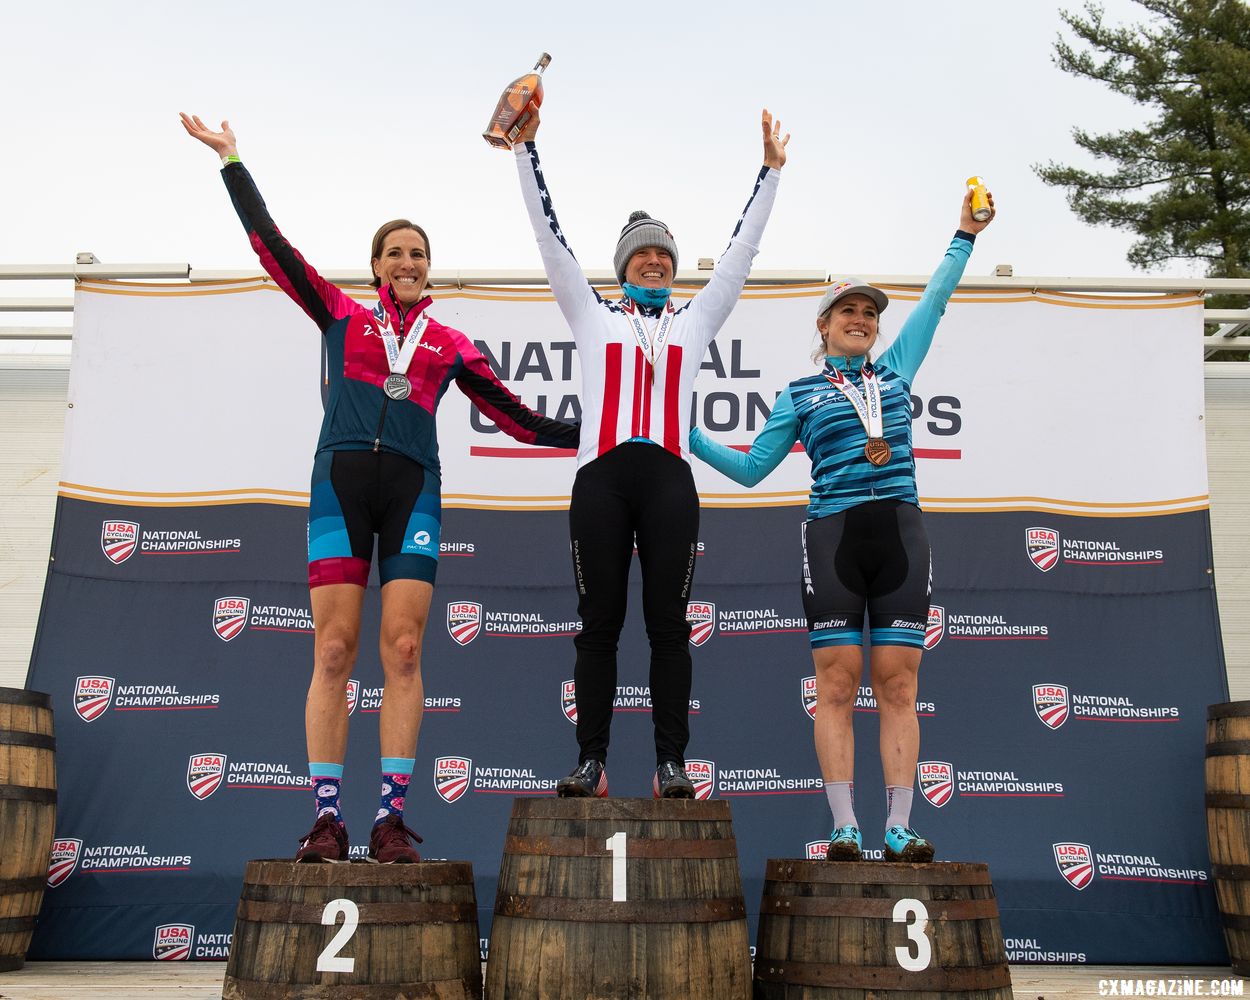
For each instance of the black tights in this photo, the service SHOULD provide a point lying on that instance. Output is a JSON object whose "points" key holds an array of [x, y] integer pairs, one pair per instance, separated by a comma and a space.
{"points": [[641, 492]]}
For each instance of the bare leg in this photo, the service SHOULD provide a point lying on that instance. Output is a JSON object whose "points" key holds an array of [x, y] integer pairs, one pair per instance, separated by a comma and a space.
{"points": [[838, 671], [405, 611], [336, 618], [894, 671]]}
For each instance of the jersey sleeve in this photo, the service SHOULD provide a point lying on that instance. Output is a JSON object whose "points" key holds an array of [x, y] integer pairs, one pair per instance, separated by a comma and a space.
{"points": [[771, 445], [320, 299], [573, 293], [716, 301], [477, 381], [908, 351]]}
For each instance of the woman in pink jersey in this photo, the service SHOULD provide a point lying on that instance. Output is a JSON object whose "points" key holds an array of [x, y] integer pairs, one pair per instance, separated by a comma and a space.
{"points": [[639, 357]]}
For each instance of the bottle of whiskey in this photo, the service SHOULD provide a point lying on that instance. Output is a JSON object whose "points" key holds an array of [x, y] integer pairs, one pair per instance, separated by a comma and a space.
{"points": [[517, 103]]}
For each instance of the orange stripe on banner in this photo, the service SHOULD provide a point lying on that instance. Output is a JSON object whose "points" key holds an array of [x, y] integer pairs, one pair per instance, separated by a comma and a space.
{"points": [[186, 493], [1202, 499]]}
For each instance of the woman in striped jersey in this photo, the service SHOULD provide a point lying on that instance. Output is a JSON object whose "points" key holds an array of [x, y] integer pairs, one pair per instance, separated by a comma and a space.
{"points": [[639, 357], [864, 545]]}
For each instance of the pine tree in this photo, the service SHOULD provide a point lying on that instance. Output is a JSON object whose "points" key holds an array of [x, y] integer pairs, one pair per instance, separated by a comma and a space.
{"points": [[1181, 182]]}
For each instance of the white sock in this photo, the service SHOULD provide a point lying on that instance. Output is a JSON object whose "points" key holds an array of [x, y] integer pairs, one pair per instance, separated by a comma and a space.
{"points": [[898, 801], [841, 796]]}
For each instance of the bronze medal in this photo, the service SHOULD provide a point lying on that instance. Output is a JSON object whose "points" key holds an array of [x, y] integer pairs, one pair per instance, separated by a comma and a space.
{"points": [[877, 450]]}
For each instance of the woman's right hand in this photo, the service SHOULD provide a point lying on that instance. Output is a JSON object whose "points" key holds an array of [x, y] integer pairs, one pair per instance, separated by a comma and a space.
{"points": [[531, 129], [222, 143]]}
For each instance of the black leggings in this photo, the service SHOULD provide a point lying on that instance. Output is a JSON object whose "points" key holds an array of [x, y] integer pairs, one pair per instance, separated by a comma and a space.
{"points": [[636, 492]]}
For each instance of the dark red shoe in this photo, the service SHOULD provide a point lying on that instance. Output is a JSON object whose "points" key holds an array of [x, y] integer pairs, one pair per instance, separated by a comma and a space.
{"points": [[326, 841], [388, 843]]}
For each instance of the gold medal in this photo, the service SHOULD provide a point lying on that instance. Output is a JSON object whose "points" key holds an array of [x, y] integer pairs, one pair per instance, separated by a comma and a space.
{"points": [[877, 450]]}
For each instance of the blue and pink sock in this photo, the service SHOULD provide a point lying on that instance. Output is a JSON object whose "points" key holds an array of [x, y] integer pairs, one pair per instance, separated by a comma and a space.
{"points": [[396, 774]]}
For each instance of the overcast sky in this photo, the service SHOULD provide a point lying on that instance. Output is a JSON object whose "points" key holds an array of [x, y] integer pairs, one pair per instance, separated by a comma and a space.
{"points": [[349, 119]]}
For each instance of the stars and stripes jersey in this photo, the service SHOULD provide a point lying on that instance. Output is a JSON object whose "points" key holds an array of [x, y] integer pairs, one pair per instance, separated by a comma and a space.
{"points": [[358, 413], [812, 410], [623, 396]]}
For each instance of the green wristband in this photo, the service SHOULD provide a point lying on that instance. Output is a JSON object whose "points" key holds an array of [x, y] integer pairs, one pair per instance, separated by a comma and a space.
{"points": [[227, 160]]}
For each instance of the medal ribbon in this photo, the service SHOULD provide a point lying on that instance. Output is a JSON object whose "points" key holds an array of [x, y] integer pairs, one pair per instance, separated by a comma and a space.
{"points": [[399, 357], [650, 350], [868, 410]]}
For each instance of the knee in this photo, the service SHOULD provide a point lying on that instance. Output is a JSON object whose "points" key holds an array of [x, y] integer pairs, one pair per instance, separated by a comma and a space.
{"points": [[404, 652], [838, 689], [336, 655], [898, 693]]}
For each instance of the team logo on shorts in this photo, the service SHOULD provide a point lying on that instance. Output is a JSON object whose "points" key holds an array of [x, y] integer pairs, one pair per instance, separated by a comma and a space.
{"points": [[464, 621], [936, 779], [204, 772], [809, 696], [702, 619], [1050, 702], [451, 777], [568, 700], [173, 942], [63, 861], [935, 627], [92, 696], [1076, 864], [702, 774], [817, 850], [1042, 545], [229, 616], [119, 539], [353, 695]]}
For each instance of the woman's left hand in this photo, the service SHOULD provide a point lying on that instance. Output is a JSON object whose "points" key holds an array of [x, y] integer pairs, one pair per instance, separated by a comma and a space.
{"points": [[774, 141], [966, 222]]}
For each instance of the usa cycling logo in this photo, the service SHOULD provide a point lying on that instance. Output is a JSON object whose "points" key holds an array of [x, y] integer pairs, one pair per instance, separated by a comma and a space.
{"points": [[817, 850], [937, 781], [1042, 546], [451, 777], [1050, 702], [1075, 863], [63, 861], [568, 700], [464, 621], [172, 942], [935, 627], [353, 695], [92, 696], [118, 540], [229, 616], [702, 774], [204, 773], [808, 693], [702, 619]]}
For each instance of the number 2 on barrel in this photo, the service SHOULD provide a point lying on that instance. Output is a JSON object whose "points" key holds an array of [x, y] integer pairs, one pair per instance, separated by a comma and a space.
{"points": [[616, 847], [329, 960], [903, 910]]}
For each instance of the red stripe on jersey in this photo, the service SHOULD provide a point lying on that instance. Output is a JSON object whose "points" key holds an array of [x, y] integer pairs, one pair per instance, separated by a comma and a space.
{"points": [[635, 418], [672, 390], [611, 398], [647, 378]]}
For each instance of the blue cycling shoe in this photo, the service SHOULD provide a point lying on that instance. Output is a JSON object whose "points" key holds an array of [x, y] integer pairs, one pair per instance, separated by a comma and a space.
{"points": [[905, 844], [846, 844]]}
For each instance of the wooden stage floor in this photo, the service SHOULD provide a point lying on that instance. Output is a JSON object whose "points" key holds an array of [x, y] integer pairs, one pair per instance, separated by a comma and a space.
{"points": [[202, 981]]}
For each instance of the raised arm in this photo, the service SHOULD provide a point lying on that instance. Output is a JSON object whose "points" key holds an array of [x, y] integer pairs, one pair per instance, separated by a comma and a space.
{"points": [[514, 418], [771, 445], [717, 300], [914, 339], [573, 293], [321, 300]]}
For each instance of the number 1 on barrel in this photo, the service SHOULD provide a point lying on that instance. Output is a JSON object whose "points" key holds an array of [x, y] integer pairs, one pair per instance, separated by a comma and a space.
{"points": [[616, 847]]}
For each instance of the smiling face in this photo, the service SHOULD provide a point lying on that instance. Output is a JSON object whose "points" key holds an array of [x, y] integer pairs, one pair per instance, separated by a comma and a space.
{"points": [[850, 326], [650, 267], [404, 264]]}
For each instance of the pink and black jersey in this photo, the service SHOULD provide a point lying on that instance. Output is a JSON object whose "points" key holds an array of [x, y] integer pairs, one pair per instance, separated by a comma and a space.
{"points": [[358, 414], [623, 395]]}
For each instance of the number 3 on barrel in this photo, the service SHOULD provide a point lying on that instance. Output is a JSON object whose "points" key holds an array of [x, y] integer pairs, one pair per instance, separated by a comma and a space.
{"points": [[616, 847], [903, 910], [329, 959]]}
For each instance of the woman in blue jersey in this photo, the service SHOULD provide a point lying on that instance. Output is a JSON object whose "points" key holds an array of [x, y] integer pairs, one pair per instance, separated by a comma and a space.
{"points": [[865, 552]]}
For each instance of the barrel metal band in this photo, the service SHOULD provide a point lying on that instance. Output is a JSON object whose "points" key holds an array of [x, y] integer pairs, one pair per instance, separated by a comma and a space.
{"points": [[882, 977], [1229, 710], [267, 873], [1228, 748], [16, 925], [20, 696], [881, 909], [370, 913], [1234, 873], [235, 988], [1235, 921], [22, 738], [13, 886], [24, 793], [877, 873], [595, 847], [604, 911], [1227, 800]]}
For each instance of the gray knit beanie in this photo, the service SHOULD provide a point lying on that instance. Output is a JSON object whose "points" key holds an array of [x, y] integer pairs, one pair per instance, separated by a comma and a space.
{"points": [[642, 231]]}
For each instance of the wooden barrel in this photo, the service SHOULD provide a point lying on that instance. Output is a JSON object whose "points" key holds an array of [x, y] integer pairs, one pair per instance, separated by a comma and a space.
{"points": [[612, 898], [854, 930], [1228, 823], [356, 931], [27, 816]]}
